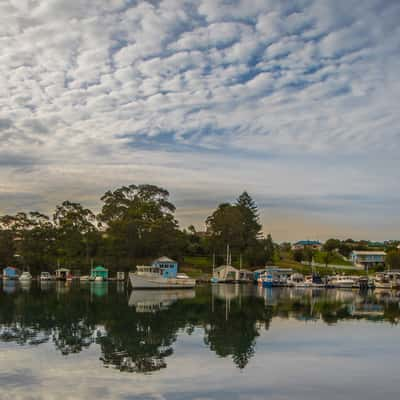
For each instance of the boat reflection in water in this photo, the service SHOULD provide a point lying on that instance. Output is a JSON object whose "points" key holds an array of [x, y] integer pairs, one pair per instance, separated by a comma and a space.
{"points": [[157, 300], [138, 331]]}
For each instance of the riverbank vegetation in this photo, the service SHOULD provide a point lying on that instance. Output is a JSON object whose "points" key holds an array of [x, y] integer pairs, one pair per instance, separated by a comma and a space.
{"points": [[137, 223]]}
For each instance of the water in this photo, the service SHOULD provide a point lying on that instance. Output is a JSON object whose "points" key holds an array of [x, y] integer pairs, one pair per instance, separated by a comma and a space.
{"points": [[101, 341]]}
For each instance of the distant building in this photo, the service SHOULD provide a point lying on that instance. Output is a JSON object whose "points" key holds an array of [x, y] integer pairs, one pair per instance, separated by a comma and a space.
{"points": [[367, 258], [99, 272], [168, 266], [302, 244]]}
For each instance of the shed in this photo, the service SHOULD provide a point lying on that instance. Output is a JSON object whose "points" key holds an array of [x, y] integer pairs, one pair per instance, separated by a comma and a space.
{"points": [[245, 275], [226, 273], [62, 274], [99, 272], [10, 273]]}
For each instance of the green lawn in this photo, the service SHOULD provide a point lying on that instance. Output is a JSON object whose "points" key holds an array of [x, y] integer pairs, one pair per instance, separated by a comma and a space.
{"points": [[335, 259]]}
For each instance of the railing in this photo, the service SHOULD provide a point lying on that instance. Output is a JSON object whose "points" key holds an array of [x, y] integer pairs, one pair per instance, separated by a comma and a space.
{"points": [[333, 266]]}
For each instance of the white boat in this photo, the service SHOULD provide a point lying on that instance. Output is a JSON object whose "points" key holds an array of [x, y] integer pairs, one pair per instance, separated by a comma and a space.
{"points": [[387, 280], [25, 276], [150, 277], [342, 282], [314, 281], [84, 278], [296, 280], [155, 300], [45, 276]]}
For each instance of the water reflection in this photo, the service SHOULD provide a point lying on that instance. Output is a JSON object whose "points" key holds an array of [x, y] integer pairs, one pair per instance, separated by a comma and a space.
{"points": [[136, 331]]}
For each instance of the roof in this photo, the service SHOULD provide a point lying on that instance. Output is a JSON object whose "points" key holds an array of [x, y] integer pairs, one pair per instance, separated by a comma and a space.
{"points": [[164, 259], [229, 267], [100, 268], [307, 242], [369, 252], [62, 269]]}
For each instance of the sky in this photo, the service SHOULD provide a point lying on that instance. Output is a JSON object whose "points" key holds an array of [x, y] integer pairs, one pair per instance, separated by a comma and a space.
{"points": [[295, 101]]}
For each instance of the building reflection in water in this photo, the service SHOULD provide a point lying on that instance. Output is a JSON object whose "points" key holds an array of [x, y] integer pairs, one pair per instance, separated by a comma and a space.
{"points": [[136, 331]]}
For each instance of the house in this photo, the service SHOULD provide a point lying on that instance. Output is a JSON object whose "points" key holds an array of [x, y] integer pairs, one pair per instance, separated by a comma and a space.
{"points": [[168, 266], [302, 244], [226, 273], [10, 273], [99, 272], [368, 258]]}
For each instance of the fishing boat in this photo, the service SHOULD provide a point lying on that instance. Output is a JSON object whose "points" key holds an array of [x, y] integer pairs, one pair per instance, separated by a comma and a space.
{"points": [[162, 274], [25, 277]]}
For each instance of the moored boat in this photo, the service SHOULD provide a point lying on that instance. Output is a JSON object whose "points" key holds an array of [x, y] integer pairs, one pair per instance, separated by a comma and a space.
{"points": [[151, 277], [25, 277], [342, 282], [45, 276]]}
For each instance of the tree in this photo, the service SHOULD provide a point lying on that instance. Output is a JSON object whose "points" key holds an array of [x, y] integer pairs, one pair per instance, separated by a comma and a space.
{"points": [[226, 226], [139, 222], [74, 226], [392, 259], [331, 245], [298, 255], [251, 226], [308, 254], [7, 247], [269, 249]]}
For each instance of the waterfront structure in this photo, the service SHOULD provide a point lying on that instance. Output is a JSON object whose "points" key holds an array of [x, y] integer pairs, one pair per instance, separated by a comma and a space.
{"points": [[63, 274], [167, 266], [226, 274], [302, 244], [367, 258], [10, 273], [162, 274], [275, 276], [99, 273]]}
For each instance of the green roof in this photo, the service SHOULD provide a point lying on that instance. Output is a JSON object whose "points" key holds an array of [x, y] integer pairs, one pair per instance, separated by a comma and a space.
{"points": [[100, 268]]}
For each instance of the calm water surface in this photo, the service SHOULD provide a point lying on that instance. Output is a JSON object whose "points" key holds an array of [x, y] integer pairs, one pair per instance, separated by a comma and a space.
{"points": [[103, 341]]}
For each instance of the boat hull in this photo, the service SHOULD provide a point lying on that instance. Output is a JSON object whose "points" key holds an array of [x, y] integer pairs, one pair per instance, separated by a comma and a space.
{"points": [[144, 282]]}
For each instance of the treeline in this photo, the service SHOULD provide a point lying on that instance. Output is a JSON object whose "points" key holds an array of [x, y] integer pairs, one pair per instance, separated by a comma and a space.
{"points": [[136, 224]]}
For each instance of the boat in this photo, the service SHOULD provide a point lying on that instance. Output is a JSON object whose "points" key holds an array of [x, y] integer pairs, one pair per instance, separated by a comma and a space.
{"points": [[275, 277], [45, 276], [314, 281], [152, 277], [84, 278], [25, 277], [296, 280], [149, 301], [387, 280], [342, 282]]}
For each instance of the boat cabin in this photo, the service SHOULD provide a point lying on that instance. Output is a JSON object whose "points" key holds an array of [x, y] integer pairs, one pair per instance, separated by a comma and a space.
{"points": [[168, 268], [99, 272]]}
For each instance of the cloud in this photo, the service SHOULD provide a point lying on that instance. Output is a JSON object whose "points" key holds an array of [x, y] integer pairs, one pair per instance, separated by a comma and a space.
{"points": [[94, 85]]}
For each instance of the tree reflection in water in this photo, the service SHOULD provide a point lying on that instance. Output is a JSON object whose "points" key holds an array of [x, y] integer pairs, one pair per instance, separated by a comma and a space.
{"points": [[136, 332]]}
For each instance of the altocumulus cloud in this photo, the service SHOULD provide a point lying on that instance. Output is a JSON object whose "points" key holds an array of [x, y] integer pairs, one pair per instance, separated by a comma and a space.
{"points": [[294, 100]]}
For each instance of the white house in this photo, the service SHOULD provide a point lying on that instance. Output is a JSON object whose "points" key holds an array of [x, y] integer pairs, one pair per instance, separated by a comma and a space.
{"points": [[367, 258]]}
